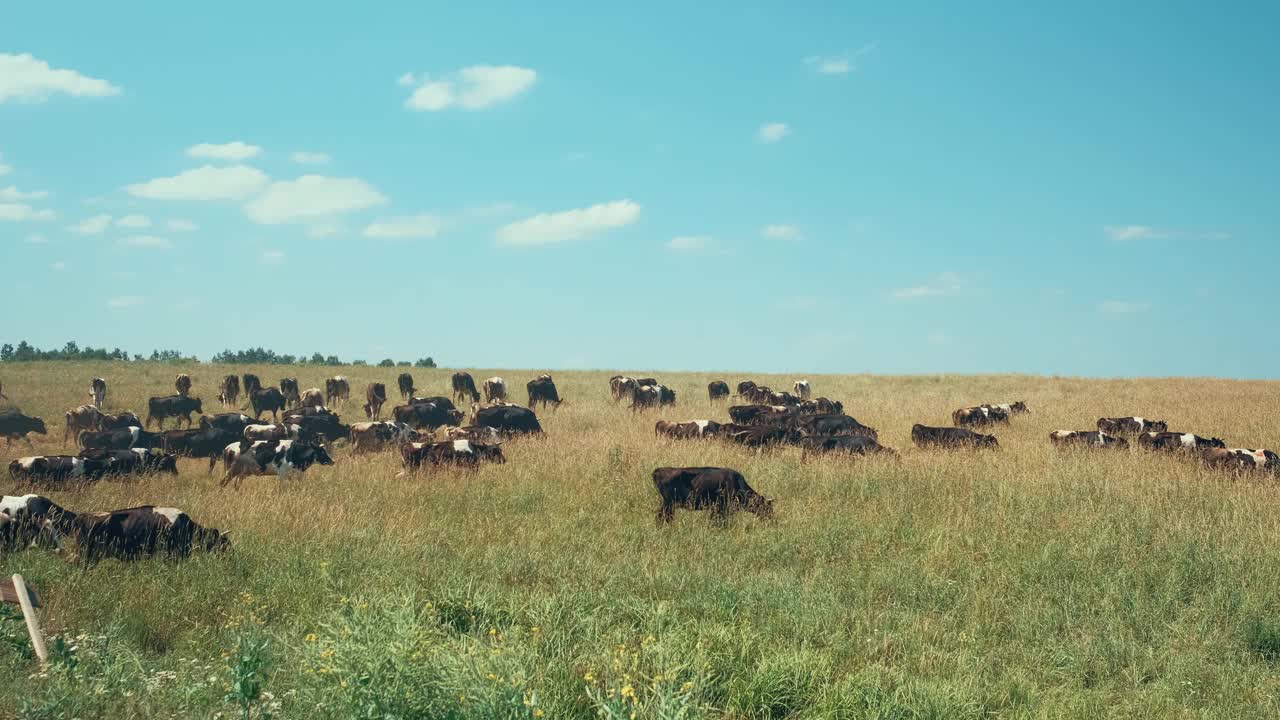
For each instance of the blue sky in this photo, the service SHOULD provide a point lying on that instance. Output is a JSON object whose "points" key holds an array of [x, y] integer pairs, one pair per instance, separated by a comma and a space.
{"points": [[1080, 189]]}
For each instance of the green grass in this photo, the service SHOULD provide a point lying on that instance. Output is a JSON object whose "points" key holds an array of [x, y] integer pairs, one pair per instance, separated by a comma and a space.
{"points": [[1022, 583]]}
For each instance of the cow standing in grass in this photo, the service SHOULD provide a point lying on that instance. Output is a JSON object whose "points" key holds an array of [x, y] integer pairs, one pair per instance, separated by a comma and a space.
{"points": [[719, 490], [98, 391], [405, 383], [229, 391]]}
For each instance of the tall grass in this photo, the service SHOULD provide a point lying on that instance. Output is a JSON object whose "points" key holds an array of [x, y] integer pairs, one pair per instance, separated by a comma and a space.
{"points": [[1024, 582]]}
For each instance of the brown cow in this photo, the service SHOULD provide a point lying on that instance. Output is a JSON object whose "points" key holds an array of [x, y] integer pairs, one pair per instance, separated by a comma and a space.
{"points": [[336, 390], [229, 391], [85, 417], [374, 396], [311, 397]]}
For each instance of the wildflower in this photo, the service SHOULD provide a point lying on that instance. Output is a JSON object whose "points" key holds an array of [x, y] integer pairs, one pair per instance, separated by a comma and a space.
{"points": [[537, 712], [535, 629], [628, 692], [687, 686], [588, 677], [493, 631], [311, 637]]}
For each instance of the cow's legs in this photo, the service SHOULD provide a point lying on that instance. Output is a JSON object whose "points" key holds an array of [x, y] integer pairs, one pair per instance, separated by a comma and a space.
{"points": [[666, 511]]}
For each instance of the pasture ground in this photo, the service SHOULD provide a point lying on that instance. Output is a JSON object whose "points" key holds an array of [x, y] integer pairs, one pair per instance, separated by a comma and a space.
{"points": [[1022, 583]]}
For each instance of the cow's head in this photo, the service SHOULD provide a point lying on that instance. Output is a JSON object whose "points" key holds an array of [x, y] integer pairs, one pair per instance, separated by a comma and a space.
{"points": [[197, 406], [36, 425], [1019, 407], [986, 441], [320, 455], [1158, 426], [1214, 443], [211, 540], [492, 453], [455, 417], [167, 463], [761, 506]]}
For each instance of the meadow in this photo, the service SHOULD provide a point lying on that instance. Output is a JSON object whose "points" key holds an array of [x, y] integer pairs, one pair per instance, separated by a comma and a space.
{"points": [[1028, 582]]}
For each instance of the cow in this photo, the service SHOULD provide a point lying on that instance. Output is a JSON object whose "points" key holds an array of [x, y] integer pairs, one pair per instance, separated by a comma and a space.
{"points": [[464, 387], [647, 396], [85, 417], [374, 396], [311, 397], [439, 400], [126, 439], [405, 382], [174, 406], [717, 390], [745, 387], [925, 436], [267, 399], [98, 391], [1241, 459], [820, 406], [289, 389], [229, 390], [182, 384], [755, 414], [26, 519], [57, 468], [202, 443], [336, 389], [831, 425], [310, 411], [759, 436], [120, 421], [231, 422], [251, 384], [368, 436], [427, 416], [979, 415], [1014, 408], [543, 390], [277, 431], [690, 429], [1177, 441], [852, 444], [449, 452], [16, 425], [508, 420], [801, 389], [495, 389], [278, 457], [719, 490], [135, 461], [1087, 438], [484, 435], [317, 428], [1131, 425], [137, 532], [621, 386]]}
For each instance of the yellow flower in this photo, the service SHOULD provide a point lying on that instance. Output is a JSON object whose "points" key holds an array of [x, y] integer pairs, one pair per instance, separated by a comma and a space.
{"points": [[628, 691], [686, 687], [311, 637], [491, 676], [537, 712], [492, 632], [535, 629], [588, 677]]}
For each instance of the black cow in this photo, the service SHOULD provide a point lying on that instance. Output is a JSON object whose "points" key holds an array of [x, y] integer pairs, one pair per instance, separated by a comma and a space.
{"points": [[182, 384], [507, 419], [267, 399], [689, 429], [854, 444], [229, 390], [57, 468], [757, 414], [1178, 441], [251, 384], [336, 389], [289, 389], [449, 452], [174, 406], [135, 461], [543, 390], [438, 400], [745, 387], [15, 426], [464, 387], [719, 490], [318, 428], [405, 382], [925, 436], [270, 457], [120, 421], [374, 396], [717, 390], [759, 436], [126, 439], [26, 519], [832, 425], [231, 422], [426, 415], [1131, 425], [1087, 438], [137, 532]]}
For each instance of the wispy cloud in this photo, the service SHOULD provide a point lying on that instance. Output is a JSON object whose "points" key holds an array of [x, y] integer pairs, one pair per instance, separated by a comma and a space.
{"points": [[1123, 306], [551, 228], [208, 182], [773, 132], [414, 226], [947, 283], [840, 64], [782, 232], [1132, 232], [688, 243], [92, 225], [13, 194], [312, 199], [471, 88], [134, 221], [21, 212], [235, 151], [24, 78], [179, 225], [149, 242]]}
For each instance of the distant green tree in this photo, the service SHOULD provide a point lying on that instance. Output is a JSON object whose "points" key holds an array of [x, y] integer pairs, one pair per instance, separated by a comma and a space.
{"points": [[425, 362], [387, 363], [403, 363]]}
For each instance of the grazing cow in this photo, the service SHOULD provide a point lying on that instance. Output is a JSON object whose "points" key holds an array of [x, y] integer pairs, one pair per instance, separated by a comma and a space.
{"points": [[543, 390], [203, 443], [229, 390], [756, 414], [978, 416], [925, 436], [310, 411], [26, 519], [1242, 459], [759, 436], [98, 391], [717, 390], [647, 396], [135, 461], [289, 389], [15, 426], [621, 386], [1131, 425], [336, 389], [449, 452], [831, 425], [852, 444], [405, 381], [231, 422], [801, 389], [120, 421], [719, 490], [483, 435], [267, 399], [277, 431], [145, 530], [1015, 408], [367, 436], [57, 468], [317, 428], [439, 400], [821, 406], [174, 406], [690, 429], [374, 396], [126, 439], [1087, 438], [182, 384], [780, 398], [508, 420], [251, 384], [85, 417], [495, 389], [745, 387], [1177, 441], [278, 457], [427, 416], [464, 387], [311, 397]]}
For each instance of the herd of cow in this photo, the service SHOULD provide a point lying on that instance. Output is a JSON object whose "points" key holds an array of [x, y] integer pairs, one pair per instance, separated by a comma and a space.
{"points": [[304, 428]]}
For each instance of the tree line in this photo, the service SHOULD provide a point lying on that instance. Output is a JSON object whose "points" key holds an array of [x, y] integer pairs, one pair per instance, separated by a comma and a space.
{"points": [[25, 352]]}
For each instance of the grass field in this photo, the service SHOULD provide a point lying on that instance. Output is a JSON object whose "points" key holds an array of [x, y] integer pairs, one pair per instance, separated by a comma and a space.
{"points": [[1022, 583]]}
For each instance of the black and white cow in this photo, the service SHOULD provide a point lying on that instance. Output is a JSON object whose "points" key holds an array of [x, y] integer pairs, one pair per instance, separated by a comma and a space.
{"points": [[495, 389], [278, 457], [274, 431], [689, 429], [368, 436], [137, 532], [648, 396], [1087, 438], [719, 490], [289, 389], [1013, 408], [450, 452], [925, 436], [801, 389], [182, 384], [375, 395], [126, 439], [979, 415], [1131, 425], [27, 520], [1242, 459], [231, 422], [135, 461], [229, 390], [1177, 441], [174, 406], [57, 468], [621, 386]]}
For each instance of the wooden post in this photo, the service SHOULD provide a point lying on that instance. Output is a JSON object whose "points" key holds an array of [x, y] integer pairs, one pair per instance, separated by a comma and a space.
{"points": [[29, 614]]}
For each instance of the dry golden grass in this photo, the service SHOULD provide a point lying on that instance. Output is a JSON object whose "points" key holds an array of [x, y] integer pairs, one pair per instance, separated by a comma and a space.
{"points": [[1024, 582]]}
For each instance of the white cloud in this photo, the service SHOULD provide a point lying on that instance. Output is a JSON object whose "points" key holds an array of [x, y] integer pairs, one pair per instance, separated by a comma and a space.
{"points": [[1132, 232], [837, 64], [92, 226], [414, 226], [302, 157], [549, 228], [58, 266], [782, 232], [1123, 307], [235, 151], [146, 241], [124, 301], [27, 79], [773, 132], [948, 283], [232, 182], [471, 88], [179, 225], [312, 198], [688, 243], [134, 221], [271, 257], [13, 194], [21, 212]]}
